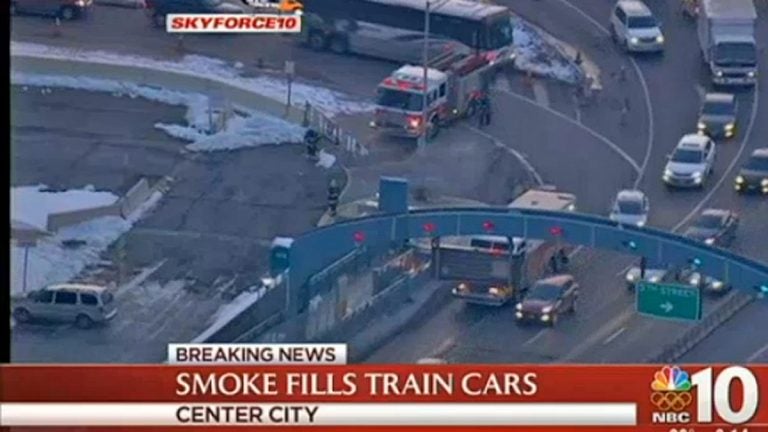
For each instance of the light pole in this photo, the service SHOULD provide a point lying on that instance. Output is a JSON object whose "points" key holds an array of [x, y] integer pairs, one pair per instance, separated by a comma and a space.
{"points": [[425, 65]]}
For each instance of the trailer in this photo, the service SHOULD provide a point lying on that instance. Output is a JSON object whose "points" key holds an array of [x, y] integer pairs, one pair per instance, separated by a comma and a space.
{"points": [[726, 32]]}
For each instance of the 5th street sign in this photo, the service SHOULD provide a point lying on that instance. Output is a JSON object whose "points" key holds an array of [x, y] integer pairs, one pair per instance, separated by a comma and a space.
{"points": [[669, 301]]}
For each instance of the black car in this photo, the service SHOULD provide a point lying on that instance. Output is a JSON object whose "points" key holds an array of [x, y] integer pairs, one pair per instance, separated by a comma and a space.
{"points": [[717, 116], [714, 227], [160, 8], [547, 299], [753, 176]]}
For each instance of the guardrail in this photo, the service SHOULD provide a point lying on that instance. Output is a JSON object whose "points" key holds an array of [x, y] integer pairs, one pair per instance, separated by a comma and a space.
{"points": [[696, 334]]}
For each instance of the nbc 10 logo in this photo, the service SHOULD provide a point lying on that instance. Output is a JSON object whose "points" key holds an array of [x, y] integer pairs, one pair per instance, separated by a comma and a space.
{"points": [[672, 396]]}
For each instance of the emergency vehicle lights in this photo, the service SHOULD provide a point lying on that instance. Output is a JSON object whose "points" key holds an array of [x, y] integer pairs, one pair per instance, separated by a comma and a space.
{"points": [[695, 261], [631, 244], [556, 231], [762, 289], [429, 227], [359, 237], [489, 226]]}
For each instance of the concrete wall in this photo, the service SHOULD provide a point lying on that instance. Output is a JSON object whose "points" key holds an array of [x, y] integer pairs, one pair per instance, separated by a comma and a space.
{"points": [[171, 80], [135, 197]]}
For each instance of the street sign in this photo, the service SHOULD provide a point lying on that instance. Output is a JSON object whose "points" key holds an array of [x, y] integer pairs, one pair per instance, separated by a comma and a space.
{"points": [[669, 301]]}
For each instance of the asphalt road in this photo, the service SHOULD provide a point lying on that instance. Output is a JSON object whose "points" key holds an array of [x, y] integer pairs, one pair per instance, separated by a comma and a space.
{"points": [[602, 156]]}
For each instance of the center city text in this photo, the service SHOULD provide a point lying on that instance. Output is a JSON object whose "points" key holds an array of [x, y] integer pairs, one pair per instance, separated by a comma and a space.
{"points": [[354, 384], [245, 414]]}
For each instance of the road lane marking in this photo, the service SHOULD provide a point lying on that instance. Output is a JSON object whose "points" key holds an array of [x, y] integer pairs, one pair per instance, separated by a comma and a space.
{"points": [[643, 85], [742, 147], [613, 146], [757, 355], [536, 337], [616, 334], [443, 348], [540, 93], [528, 166], [602, 332]]}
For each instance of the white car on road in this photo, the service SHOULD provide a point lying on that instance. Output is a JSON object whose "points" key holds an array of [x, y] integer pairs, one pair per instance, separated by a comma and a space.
{"points": [[691, 163], [631, 207]]}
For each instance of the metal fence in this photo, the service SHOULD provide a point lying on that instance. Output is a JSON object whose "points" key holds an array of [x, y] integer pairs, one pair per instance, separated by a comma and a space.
{"points": [[330, 129]]}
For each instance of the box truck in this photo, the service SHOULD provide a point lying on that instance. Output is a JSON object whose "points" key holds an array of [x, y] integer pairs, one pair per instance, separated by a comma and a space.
{"points": [[726, 31]]}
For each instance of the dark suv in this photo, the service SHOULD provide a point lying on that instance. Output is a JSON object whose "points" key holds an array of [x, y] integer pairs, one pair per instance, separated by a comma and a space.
{"points": [[64, 9], [547, 299], [160, 8]]}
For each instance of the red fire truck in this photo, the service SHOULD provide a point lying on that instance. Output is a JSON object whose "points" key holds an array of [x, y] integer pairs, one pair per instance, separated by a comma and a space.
{"points": [[455, 83]]}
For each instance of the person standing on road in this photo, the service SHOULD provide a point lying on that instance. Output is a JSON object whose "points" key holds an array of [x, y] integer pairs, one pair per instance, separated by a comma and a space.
{"points": [[334, 191], [485, 109], [624, 112], [311, 140]]}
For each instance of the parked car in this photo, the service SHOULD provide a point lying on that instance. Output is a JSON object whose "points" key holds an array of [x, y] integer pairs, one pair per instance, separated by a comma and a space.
{"points": [[631, 207], [130, 4], [547, 299], [85, 305], [714, 227], [635, 28], [64, 9], [717, 116], [691, 163], [753, 175], [158, 9]]}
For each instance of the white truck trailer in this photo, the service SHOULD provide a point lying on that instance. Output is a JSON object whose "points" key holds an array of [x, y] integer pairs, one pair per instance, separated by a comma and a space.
{"points": [[726, 31]]}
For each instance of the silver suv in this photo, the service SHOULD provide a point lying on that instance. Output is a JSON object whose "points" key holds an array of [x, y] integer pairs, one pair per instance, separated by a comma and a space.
{"points": [[84, 305], [634, 27], [691, 163]]}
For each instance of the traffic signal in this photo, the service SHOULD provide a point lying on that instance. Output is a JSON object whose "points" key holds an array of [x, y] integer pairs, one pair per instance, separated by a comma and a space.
{"points": [[630, 244], [556, 231]]}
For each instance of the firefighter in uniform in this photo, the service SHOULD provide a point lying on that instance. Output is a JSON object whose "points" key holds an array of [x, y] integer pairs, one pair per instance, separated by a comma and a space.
{"points": [[311, 139], [333, 197]]}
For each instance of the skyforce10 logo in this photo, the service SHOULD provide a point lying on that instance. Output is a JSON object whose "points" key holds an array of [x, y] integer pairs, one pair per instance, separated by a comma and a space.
{"points": [[672, 395]]}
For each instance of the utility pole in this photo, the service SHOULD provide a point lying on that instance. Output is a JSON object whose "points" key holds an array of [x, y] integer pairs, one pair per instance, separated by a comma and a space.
{"points": [[425, 62]]}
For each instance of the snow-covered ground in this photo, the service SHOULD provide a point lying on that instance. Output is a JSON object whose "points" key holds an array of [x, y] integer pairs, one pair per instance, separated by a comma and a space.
{"points": [[536, 55], [33, 204], [328, 101], [51, 262], [230, 310], [247, 129]]}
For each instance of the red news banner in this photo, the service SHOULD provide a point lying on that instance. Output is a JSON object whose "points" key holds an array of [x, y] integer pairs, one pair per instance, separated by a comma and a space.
{"points": [[690, 398]]}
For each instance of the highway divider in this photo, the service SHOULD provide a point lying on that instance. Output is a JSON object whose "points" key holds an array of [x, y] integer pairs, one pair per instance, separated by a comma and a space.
{"points": [[674, 351]]}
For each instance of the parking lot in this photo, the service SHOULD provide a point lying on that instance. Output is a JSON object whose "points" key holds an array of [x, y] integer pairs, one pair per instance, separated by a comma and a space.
{"points": [[203, 243]]}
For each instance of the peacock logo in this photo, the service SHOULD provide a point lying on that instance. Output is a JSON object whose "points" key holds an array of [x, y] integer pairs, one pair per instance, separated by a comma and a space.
{"points": [[671, 378]]}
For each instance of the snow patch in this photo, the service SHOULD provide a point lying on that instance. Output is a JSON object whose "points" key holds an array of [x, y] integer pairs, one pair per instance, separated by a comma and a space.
{"points": [[51, 262], [537, 56], [33, 204], [229, 311], [243, 129], [325, 159], [329, 101]]}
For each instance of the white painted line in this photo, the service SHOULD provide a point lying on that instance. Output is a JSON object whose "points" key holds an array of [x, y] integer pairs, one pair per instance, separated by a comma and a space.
{"points": [[643, 84], [536, 337], [443, 348], [540, 93], [536, 176], [140, 278], [581, 126], [757, 355], [625, 269], [742, 146], [616, 334]]}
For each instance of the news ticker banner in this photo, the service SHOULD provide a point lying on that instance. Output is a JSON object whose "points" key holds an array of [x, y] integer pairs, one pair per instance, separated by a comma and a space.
{"points": [[274, 385]]}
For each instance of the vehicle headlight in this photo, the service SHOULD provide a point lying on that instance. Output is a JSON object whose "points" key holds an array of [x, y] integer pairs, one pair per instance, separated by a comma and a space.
{"points": [[653, 279], [764, 182], [641, 223], [494, 291], [697, 174], [462, 287], [751, 74], [519, 306], [730, 126], [546, 310], [518, 315], [667, 173], [719, 73], [634, 40], [660, 39], [80, 3], [710, 241], [740, 180], [631, 277], [694, 280], [716, 285], [545, 317], [701, 126]]}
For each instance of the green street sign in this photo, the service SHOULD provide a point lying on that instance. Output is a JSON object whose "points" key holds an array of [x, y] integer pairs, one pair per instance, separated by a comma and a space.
{"points": [[669, 301]]}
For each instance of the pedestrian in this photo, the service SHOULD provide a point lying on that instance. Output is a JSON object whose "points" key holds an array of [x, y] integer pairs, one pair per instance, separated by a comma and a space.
{"points": [[311, 140], [333, 197], [553, 264], [485, 110], [624, 112]]}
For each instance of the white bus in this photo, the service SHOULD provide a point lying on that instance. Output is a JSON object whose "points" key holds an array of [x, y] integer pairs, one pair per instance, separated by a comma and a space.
{"points": [[394, 29]]}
